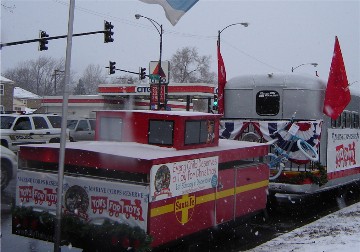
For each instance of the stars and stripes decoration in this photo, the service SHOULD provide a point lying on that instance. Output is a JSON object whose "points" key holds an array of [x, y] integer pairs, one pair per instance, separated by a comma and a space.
{"points": [[309, 131]]}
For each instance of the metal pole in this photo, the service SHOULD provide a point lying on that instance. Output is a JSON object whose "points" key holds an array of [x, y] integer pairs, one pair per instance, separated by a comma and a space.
{"points": [[47, 39], [57, 238], [159, 87]]}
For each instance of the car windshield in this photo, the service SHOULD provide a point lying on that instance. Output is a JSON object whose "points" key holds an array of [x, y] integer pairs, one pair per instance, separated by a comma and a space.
{"points": [[6, 121], [71, 124]]}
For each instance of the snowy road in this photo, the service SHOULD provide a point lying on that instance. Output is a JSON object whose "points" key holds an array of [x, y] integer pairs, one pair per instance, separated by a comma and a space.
{"points": [[339, 231]]}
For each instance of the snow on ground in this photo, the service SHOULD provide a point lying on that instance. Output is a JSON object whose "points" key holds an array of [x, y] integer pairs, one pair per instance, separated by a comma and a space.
{"points": [[339, 231]]}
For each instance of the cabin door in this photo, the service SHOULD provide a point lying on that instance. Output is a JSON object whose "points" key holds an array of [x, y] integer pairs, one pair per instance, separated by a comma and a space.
{"points": [[225, 196]]}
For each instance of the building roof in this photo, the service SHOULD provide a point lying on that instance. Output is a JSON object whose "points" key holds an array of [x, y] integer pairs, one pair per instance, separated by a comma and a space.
{"points": [[5, 80], [20, 93]]}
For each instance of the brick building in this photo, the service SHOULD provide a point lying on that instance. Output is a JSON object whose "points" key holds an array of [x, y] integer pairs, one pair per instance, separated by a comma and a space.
{"points": [[6, 94]]}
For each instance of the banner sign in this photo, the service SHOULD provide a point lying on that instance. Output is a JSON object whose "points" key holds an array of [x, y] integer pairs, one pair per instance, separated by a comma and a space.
{"points": [[343, 149], [184, 177], [88, 199]]}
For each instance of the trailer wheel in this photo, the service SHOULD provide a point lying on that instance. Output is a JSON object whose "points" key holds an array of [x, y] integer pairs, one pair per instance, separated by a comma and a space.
{"points": [[251, 137]]}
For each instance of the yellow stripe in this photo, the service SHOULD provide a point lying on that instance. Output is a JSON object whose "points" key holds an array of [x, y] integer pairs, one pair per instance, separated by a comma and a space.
{"points": [[211, 197], [225, 193], [205, 198], [162, 210], [257, 185]]}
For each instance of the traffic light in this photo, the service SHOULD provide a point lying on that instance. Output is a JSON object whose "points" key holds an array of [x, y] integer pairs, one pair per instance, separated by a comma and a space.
{"points": [[43, 42], [112, 67], [108, 32], [215, 104], [142, 73]]}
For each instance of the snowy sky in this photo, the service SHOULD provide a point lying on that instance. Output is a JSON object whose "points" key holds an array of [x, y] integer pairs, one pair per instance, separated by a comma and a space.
{"points": [[282, 34]]}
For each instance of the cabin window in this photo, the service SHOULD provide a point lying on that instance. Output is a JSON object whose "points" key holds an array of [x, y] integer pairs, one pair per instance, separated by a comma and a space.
{"points": [[199, 132], [161, 132], [267, 103], [110, 129]]}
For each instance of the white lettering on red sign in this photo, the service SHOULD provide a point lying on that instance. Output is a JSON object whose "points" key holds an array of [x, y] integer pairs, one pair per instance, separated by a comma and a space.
{"points": [[123, 206], [25, 193]]}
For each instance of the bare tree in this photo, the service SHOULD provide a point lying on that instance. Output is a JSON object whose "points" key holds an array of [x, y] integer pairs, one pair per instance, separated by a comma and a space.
{"points": [[7, 7], [127, 79], [92, 77], [37, 76], [80, 88], [188, 66]]}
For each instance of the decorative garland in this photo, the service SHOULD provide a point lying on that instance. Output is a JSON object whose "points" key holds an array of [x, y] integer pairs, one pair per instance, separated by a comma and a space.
{"points": [[109, 236], [318, 179]]}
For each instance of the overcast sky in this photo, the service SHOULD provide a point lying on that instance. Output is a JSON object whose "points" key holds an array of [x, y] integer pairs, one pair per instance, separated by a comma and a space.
{"points": [[281, 34]]}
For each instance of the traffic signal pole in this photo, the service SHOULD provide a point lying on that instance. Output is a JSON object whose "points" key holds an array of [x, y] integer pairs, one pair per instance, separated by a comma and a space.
{"points": [[48, 38], [122, 70], [57, 236]]}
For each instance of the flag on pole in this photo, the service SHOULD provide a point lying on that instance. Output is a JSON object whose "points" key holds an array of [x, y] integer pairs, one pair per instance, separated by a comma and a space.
{"points": [[221, 80], [174, 9], [337, 94]]}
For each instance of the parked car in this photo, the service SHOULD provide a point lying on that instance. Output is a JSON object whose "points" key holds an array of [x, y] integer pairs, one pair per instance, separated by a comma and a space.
{"points": [[17, 129], [9, 165], [81, 129]]}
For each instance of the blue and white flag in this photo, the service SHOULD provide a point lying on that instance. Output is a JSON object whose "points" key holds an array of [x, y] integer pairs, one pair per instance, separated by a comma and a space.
{"points": [[174, 9]]}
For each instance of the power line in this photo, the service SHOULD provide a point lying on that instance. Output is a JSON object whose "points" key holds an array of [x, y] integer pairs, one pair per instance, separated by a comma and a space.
{"points": [[172, 33], [252, 57]]}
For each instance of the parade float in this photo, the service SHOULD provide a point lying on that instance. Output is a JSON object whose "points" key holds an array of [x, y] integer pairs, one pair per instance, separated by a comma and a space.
{"points": [[151, 178]]}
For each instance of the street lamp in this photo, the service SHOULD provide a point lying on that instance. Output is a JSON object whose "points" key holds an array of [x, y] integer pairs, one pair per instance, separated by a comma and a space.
{"points": [[313, 64], [160, 30], [220, 31], [220, 89]]}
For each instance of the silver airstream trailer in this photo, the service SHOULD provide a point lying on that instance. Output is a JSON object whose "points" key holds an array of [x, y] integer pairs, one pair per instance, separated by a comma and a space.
{"points": [[263, 108]]}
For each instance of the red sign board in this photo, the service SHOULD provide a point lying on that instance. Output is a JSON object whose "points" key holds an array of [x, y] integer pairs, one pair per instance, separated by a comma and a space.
{"points": [[154, 95]]}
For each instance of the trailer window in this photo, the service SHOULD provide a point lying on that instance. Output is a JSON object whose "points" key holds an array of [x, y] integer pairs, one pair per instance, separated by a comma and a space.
{"points": [[267, 103], [356, 121], [161, 132]]}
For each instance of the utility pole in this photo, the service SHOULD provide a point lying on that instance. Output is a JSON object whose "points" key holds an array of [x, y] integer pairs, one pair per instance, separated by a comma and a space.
{"points": [[56, 71]]}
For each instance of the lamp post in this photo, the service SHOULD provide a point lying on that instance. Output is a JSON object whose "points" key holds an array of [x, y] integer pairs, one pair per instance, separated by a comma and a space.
{"points": [[220, 87], [160, 30], [313, 64]]}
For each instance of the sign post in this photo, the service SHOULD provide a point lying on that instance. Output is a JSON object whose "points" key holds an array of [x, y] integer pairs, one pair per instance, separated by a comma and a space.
{"points": [[159, 79]]}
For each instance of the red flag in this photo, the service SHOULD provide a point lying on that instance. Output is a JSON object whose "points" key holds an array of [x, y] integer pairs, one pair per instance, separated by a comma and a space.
{"points": [[221, 81], [337, 94]]}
